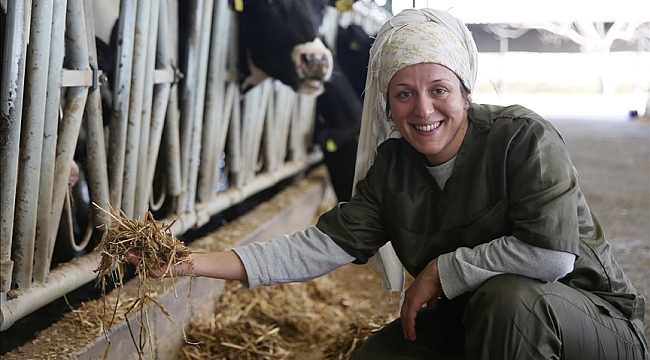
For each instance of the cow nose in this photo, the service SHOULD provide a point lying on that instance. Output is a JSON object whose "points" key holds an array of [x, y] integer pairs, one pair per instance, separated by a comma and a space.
{"points": [[316, 66]]}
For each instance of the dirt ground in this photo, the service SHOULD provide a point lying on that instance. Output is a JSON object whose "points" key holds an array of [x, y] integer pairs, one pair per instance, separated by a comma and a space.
{"points": [[613, 163]]}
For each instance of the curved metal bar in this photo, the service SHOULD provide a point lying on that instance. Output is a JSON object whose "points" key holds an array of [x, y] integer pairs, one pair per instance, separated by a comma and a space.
{"points": [[70, 125], [141, 195], [119, 116], [97, 168], [29, 163], [11, 104], [42, 255], [134, 125], [155, 205], [213, 119], [195, 153]]}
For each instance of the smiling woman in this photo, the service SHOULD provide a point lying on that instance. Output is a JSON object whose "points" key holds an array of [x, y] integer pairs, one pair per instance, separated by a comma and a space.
{"points": [[426, 103], [482, 206]]}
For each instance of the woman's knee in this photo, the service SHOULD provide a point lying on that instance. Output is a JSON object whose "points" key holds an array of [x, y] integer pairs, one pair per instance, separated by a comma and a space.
{"points": [[508, 315], [505, 294]]}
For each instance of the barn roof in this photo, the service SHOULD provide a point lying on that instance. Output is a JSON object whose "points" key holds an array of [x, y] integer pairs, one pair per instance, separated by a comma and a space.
{"points": [[519, 11]]}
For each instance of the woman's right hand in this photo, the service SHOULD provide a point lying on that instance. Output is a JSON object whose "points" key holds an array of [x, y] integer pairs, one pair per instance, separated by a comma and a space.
{"points": [[218, 265], [181, 268]]}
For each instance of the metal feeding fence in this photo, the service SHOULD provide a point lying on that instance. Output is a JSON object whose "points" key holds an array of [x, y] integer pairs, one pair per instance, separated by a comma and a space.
{"points": [[181, 140]]}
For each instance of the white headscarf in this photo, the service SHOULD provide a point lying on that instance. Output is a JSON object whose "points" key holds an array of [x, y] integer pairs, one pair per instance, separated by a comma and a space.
{"points": [[413, 36]]}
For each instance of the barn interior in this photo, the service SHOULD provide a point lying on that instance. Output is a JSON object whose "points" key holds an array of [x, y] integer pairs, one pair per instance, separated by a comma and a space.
{"points": [[140, 105]]}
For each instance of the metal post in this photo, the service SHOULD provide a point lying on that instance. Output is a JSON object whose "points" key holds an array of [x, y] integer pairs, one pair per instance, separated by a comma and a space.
{"points": [[42, 257], [172, 133], [97, 171], [188, 103], [119, 116], [206, 26], [11, 104], [134, 126], [141, 195], [160, 104], [75, 103], [213, 119], [29, 165]]}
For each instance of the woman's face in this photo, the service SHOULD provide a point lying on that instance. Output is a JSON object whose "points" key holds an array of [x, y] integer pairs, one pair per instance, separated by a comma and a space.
{"points": [[429, 110]]}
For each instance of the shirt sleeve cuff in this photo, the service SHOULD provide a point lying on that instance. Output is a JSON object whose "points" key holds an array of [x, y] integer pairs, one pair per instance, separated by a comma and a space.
{"points": [[451, 278], [254, 272]]}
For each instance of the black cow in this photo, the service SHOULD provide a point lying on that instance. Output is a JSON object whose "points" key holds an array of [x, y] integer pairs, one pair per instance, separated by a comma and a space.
{"points": [[271, 33], [340, 107]]}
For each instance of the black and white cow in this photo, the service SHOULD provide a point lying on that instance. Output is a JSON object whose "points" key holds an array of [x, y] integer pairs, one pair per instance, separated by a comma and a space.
{"points": [[280, 39]]}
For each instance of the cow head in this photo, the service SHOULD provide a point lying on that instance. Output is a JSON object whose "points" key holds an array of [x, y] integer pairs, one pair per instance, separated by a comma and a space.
{"points": [[280, 39]]}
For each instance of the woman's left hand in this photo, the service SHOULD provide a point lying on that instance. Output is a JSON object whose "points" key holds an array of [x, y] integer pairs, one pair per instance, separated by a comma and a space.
{"points": [[426, 289]]}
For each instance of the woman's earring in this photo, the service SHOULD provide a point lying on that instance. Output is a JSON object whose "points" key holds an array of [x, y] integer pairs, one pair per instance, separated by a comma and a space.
{"points": [[393, 129]]}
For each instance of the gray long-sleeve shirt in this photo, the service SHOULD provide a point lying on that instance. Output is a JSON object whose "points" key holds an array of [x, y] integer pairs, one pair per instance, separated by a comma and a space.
{"points": [[308, 254]]}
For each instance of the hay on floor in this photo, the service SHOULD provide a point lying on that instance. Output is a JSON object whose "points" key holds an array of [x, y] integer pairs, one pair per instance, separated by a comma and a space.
{"points": [[314, 320]]}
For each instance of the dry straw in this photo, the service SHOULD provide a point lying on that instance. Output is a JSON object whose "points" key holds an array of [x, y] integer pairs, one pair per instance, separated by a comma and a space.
{"points": [[312, 320], [155, 246]]}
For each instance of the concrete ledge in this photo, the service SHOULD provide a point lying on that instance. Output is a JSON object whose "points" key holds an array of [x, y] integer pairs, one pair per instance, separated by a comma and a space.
{"points": [[293, 209]]}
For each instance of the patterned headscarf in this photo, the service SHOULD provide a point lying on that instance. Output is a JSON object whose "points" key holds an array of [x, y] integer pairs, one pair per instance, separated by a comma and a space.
{"points": [[413, 36]]}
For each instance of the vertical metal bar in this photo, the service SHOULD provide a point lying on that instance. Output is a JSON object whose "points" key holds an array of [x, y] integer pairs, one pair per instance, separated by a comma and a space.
{"points": [[97, 168], [77, 53], [289, 98], [213, 118], [160, 103], [172, 126], [141, 195], [29, 161], [119, 116], [188, 102], [44, 231], [11, 104], [234, 143], [204, 52], [269, 140], [135, 106]]}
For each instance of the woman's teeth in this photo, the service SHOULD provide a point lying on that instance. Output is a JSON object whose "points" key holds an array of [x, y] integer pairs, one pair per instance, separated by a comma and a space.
{"points": [[427, 128]]}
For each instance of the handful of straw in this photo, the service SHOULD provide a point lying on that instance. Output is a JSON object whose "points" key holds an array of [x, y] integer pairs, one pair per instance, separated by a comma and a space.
{"points": [[154, 245]]}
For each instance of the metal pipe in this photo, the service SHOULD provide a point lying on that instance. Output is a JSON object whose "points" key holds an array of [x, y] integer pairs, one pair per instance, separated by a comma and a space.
{"points": [[234, 145], [262, 181], [11, 104], [160, 103], [119, 116], [197, 130], [188, 103], [134, 125], [172, 135], [29, 163], [213, 119], [222, 130], [62, 280], [77, 272], [42, 257], [141, 194], [286, 99], [97, 168], [173, 146], [76, 97]]}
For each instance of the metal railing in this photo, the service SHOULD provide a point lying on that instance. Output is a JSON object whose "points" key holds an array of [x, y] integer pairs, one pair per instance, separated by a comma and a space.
{"points": [[170, 132]]}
